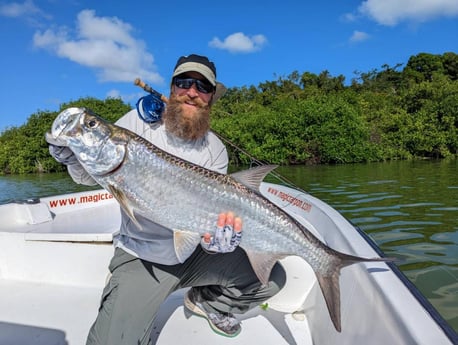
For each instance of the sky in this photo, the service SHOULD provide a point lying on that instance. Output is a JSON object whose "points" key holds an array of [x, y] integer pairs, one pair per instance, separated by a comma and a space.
{"points": [[57, 51]]}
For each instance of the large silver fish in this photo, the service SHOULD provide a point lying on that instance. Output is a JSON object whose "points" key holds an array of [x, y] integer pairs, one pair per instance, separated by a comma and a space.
{"points": [[188, 198]]}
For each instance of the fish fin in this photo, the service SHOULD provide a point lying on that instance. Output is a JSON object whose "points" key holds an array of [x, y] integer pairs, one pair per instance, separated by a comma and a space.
{"points": [[330, 287], [124, 203], [185, 242], [331, 292], [253, 177], [262, 264]]}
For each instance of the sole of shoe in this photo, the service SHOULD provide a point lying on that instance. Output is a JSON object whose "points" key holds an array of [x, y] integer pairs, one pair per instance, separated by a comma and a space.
{"points": [[195, 310]]}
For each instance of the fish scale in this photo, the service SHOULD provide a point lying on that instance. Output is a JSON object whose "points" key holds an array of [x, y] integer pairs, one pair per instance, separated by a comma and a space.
{"points": [[187, 198]]}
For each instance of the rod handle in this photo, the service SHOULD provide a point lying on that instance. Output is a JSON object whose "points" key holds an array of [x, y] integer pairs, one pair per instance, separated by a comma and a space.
{"points": [[147, 88]]}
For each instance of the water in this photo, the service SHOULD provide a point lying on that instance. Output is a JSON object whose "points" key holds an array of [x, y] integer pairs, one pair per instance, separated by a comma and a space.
{"points": [[17, 187], [410, 209]]}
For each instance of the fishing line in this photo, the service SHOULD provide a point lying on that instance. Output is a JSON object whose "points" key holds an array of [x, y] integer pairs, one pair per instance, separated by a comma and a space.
{"points": [[138, 82]]}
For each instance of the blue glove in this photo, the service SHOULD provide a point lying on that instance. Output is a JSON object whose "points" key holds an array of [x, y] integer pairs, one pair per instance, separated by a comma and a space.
{"points": [[227, 236]]}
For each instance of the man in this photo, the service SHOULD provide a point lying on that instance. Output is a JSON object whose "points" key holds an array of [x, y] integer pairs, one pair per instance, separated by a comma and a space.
{"points": [[145, 268]]}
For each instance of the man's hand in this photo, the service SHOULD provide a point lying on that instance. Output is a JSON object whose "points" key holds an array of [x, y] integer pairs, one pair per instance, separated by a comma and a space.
{"points": [[227, 236], [60, 151], [52, 141]]}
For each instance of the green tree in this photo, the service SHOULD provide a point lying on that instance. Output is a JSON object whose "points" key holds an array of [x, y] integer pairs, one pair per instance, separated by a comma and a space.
{"points": [[303, 118], [24, 150], [423, 67]]}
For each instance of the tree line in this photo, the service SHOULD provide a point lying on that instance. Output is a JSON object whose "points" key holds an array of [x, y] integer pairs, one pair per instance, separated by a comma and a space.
{"points": [[395, 112]]}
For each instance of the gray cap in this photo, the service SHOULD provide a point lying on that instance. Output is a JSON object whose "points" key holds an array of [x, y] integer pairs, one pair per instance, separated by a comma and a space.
{"points": [[200, 64]]}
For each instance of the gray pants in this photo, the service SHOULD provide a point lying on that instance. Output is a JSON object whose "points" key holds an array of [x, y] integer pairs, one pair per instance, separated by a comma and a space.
{"points": [[137, 288]]}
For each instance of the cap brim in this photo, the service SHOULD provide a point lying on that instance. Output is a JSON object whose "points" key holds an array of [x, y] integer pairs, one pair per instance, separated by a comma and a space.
{"points": [[196, 67]]}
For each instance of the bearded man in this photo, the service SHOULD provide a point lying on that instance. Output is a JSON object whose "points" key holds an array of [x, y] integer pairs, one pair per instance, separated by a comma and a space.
{"points": [[145, 269]]}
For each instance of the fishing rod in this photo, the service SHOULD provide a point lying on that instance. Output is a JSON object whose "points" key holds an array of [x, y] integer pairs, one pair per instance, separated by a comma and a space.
{"points": [[138, 82]]}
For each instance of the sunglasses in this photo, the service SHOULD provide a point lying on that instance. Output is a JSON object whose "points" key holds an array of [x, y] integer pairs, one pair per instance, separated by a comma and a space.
{"points": [[186, 83]]}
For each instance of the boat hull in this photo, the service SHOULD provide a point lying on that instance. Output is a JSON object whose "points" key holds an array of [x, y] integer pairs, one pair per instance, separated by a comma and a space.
{"points": [[54, 255]]}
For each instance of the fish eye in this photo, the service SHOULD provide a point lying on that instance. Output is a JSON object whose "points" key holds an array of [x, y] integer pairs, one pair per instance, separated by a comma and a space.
{"points": [[92, 123]]}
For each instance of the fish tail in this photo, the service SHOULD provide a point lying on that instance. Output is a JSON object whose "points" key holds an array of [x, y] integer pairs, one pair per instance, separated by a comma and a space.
{"points": [[330, 287]]}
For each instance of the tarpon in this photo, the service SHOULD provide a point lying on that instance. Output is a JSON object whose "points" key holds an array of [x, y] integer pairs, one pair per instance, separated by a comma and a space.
{"points": [[187, 198]]}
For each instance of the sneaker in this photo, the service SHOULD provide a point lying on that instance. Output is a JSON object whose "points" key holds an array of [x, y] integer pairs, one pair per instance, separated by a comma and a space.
{"points": [[221, 323]]}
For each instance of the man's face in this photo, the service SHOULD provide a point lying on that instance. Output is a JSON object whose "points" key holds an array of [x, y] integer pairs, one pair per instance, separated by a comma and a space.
{"points": [[197, 97], [188, 109]]}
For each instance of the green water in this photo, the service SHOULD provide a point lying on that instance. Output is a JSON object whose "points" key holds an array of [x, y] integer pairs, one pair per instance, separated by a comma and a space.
{"points": [[410, 209]]}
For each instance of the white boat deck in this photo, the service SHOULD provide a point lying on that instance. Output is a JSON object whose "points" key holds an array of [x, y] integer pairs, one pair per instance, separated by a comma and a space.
{"points": [[45, 314]]}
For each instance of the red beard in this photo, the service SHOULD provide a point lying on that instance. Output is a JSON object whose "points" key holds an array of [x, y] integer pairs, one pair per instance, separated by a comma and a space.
{"points": [[182, 125]]}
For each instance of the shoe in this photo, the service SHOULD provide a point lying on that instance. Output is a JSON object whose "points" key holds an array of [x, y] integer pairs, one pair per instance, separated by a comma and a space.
{"points": [[221, 323]]}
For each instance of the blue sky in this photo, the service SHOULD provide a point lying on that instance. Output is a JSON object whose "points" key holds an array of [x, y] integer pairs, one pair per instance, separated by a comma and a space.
{"points": [[55, 51]]}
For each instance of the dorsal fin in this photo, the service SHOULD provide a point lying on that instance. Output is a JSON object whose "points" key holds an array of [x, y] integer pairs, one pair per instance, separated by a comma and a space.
{"points": [[253, 177]]}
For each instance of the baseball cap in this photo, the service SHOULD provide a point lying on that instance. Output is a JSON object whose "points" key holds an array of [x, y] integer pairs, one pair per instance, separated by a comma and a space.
{"points": [[200, 64]]}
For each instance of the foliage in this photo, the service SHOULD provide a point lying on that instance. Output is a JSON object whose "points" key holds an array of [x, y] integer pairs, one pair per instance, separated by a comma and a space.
{"points": [[24, 149], [386, 114], [382, 115]]}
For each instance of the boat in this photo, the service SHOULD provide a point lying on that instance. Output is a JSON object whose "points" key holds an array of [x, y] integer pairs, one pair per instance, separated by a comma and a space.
{"points": [[54, 255]]}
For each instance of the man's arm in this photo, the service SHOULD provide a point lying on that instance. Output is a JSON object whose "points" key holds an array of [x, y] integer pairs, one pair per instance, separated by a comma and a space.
{"points": [[218, 153]]}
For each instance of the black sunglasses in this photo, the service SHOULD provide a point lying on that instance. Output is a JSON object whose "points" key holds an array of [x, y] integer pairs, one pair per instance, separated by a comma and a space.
{"points": [[186, 83]]}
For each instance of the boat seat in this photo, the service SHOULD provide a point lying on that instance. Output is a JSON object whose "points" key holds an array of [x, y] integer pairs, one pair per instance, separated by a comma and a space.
{"points": [[300, 280], [30, 211], [36, 213]]}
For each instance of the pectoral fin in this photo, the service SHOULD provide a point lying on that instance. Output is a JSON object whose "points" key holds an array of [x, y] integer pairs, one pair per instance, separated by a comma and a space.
{"points": [[185, 242], [124, 203]]}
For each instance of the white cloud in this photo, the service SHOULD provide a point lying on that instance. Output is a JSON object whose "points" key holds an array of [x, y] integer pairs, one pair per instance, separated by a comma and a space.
{"points": [[239, 43], [392, 12], [26, 10], [114, 94], [15, 9], [127, 98], [359, 36], [104, 44], [348, 17]]}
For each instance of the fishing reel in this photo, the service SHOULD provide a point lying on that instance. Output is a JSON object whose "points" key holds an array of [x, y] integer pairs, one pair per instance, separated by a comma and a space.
{"points": [[151, 106]]}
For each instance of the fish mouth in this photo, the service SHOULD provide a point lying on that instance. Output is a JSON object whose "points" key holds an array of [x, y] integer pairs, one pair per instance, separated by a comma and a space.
{"points": [[65, 122]]}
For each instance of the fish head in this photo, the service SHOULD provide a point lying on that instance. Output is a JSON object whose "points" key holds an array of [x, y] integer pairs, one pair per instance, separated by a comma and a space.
{"points": [[99, 146]]}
